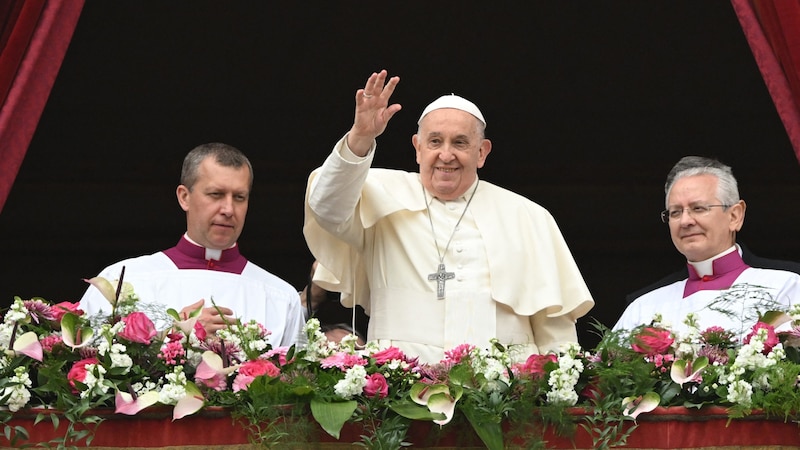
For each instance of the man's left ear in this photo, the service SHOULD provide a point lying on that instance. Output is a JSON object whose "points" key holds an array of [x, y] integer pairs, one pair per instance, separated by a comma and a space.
{"points": [[483, 152], [737, 215]]}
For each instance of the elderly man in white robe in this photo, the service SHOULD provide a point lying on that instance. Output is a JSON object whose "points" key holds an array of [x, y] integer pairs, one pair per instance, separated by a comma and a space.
{"points": [[439, 258], [704, 213]]}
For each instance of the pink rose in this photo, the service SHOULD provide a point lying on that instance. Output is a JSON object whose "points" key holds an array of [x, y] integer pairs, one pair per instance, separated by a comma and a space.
{"points": [[772, 338], [376, 386], [389, 354], [78, 372], [652, 341], [62, 308], [259, 367], [138, 328], [252, 369], [535, 363], [199, 331]]}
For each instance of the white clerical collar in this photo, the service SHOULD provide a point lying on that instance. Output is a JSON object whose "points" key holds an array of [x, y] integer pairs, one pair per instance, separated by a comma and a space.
{"points": [[211, 253], [463, 198], [706, 267]]}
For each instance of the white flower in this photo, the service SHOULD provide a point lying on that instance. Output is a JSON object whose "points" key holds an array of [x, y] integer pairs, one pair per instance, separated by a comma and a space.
{"points": [[5, 334], [563, 379], [353, 383], [94, 381], [17, 392], [175, 389], [16, 312], [740, 392]]}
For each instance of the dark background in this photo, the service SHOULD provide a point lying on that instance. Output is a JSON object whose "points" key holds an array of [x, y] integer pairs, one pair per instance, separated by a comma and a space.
{"points": [[588, 105]]}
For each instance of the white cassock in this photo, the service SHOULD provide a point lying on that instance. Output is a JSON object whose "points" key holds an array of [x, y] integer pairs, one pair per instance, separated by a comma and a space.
{"points": [[254, 294], [735, 309], [514, 277]]}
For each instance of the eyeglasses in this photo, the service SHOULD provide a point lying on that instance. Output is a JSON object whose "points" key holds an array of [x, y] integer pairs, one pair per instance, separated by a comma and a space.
{"points": [[694, 211]]}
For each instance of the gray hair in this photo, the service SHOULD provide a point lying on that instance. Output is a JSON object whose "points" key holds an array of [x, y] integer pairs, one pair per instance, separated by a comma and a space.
{"points": [[727, 188], [224, 154]]}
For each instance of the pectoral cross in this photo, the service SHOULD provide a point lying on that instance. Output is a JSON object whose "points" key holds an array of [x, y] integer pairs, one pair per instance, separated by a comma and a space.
{"points": [[440, 276]]}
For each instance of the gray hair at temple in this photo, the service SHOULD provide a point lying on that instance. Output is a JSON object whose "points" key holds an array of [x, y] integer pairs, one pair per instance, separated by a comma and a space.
{"points": [[727, 187], [224, 154]]}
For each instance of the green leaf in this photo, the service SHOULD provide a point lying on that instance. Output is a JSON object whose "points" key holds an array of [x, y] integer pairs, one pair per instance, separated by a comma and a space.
{"points": [[331, 416], [490, 431], [413, 411]]}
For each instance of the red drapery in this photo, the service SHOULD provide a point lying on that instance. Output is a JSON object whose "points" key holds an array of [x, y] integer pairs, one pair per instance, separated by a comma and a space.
{"points": [[34, 36], [772, 28]]}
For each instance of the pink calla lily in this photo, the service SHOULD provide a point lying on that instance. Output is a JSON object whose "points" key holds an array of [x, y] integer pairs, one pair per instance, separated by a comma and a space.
{"points": [[28, 344], [684, 371], [186, 326], [211, 372], [641, 404], [192, 402], [125, 403], [105, 287]]}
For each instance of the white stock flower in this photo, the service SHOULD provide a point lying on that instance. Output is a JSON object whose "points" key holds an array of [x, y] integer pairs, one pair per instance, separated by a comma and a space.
{"points": [[740, 392], [94, 383], [6, 330], [355, 378], [17, 393], [16, 312], [175, 389]]}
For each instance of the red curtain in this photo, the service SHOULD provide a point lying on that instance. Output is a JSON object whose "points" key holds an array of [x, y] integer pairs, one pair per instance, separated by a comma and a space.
{"points": [[772, 28], [34, 36]]}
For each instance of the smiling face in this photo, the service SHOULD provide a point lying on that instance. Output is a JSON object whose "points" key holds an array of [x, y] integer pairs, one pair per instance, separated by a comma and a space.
{"points": [[700, 237], [450, 150], [216, 205]]}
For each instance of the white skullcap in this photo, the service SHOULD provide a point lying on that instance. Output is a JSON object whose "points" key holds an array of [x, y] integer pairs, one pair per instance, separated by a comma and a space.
{"points": [[455, 102]]}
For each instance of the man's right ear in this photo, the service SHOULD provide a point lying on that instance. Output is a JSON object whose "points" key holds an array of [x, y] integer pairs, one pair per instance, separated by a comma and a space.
{"points": [[182, 192]]}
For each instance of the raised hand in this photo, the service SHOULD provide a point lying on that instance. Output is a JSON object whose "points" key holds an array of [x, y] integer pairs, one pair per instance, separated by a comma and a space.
{"points": [[373, 111]]}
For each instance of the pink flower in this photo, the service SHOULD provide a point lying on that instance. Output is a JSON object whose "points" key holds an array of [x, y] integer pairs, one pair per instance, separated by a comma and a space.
{"points": [[652, 341], [376, 386], [199, 331], [38, 309], [62, 308], [455, 355], [535, 364], [389, 354], [252, 369], [281, 352], [343, 361], [772, 338], [78, 372], [138, 328], [173, 353], [51, 341]]}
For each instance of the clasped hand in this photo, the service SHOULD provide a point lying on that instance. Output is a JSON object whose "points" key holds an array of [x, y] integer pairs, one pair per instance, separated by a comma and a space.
{"points": [[212, 318]]}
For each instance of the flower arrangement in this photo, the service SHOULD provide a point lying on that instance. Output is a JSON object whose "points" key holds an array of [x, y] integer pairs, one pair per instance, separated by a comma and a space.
{"points": [[56, 358]]}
